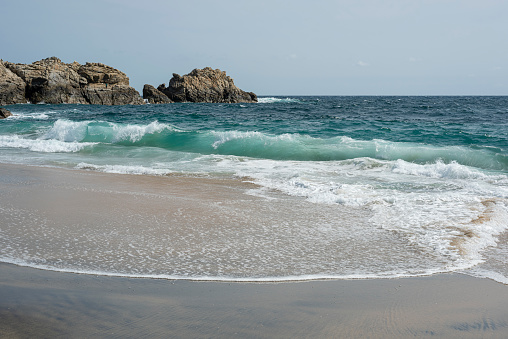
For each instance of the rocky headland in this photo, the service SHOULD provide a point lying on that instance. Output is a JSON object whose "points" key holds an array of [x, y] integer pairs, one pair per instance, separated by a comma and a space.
{"points": [[53, 82], [200, 85]]}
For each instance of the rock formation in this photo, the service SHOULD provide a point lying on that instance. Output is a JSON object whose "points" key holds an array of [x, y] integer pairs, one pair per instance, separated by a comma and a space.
{"points": [[4, 113], [54, 82], [12, 87], [204, 85], [154, 96]]}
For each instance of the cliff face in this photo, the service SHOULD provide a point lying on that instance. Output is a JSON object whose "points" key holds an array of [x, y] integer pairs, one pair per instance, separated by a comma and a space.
{"points": [[54, 82], [12, 87], [205, 85]]}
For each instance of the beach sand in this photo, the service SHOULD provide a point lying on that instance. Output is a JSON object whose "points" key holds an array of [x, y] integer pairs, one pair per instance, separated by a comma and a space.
{"points": [[48, 304], [45, 304]]}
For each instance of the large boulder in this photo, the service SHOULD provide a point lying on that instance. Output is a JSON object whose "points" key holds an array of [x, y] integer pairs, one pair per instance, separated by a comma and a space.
{"points": [[54, 82], [4, 113], [205, 85], [154, 96], [12, 87]]}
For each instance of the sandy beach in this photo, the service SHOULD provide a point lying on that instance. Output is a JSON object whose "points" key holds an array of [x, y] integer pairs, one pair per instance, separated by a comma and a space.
{"points": [[49, 304], [44, 304]]}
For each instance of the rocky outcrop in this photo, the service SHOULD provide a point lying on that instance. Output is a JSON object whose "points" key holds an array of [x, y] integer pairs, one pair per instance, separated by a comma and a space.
{"points": [[12, 87], [54, 82], [154, 96], [205, 85], [4, 113]]}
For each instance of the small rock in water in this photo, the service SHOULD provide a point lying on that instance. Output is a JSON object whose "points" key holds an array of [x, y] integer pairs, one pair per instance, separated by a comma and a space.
{"points": [[4, 113]]}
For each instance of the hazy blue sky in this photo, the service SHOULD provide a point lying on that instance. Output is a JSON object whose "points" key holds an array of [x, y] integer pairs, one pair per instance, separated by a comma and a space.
{"points": [[299, 47]]}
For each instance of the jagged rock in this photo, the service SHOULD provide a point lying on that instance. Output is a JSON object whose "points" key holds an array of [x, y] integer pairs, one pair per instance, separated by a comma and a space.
{"points": [[205, 85], [155, 96], [54, 82], [50, 81], [113, 95], [97, 73], [12, 87], [4, 113]]}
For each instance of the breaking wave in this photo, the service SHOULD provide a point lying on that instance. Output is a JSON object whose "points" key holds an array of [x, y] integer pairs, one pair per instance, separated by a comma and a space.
{"points": [[72, 136]]}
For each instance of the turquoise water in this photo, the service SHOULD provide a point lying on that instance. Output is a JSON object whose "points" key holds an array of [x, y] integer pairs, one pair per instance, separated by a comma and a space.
{"points": [[425, 167], [468, 130]]}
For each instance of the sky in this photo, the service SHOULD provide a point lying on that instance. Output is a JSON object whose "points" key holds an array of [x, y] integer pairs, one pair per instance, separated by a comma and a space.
{"points": [[276, 47]]}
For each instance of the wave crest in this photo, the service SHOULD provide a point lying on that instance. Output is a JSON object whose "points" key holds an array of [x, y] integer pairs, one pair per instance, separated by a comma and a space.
{"points": [[271, 100], [260, 145]]}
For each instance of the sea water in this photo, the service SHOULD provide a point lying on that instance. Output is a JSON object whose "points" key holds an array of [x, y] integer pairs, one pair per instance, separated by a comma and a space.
{"points": [[420, 175]]}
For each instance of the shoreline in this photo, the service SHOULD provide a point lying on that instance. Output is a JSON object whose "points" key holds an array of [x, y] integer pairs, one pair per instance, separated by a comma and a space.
{"points": [[97, 223], [91, 222], [44, 303], [41, 303]]}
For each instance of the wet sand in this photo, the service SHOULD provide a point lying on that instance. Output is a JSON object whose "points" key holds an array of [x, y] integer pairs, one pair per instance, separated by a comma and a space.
{"points": [[47, 304], [175, 226]]}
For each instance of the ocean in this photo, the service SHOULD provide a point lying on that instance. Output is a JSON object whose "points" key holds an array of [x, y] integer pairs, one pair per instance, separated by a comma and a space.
{"points": [[390, 186]]}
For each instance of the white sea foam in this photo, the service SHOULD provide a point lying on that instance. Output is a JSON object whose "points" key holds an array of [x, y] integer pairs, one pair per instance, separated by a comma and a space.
{"points": [[488, 274], [439, 217], [225, 278], [271, 100], [135, 133], [376, 179], [439, 169], [38, 145], [67, 131], [124, 169], [33, 116], [430, 204], [224, 137]]}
